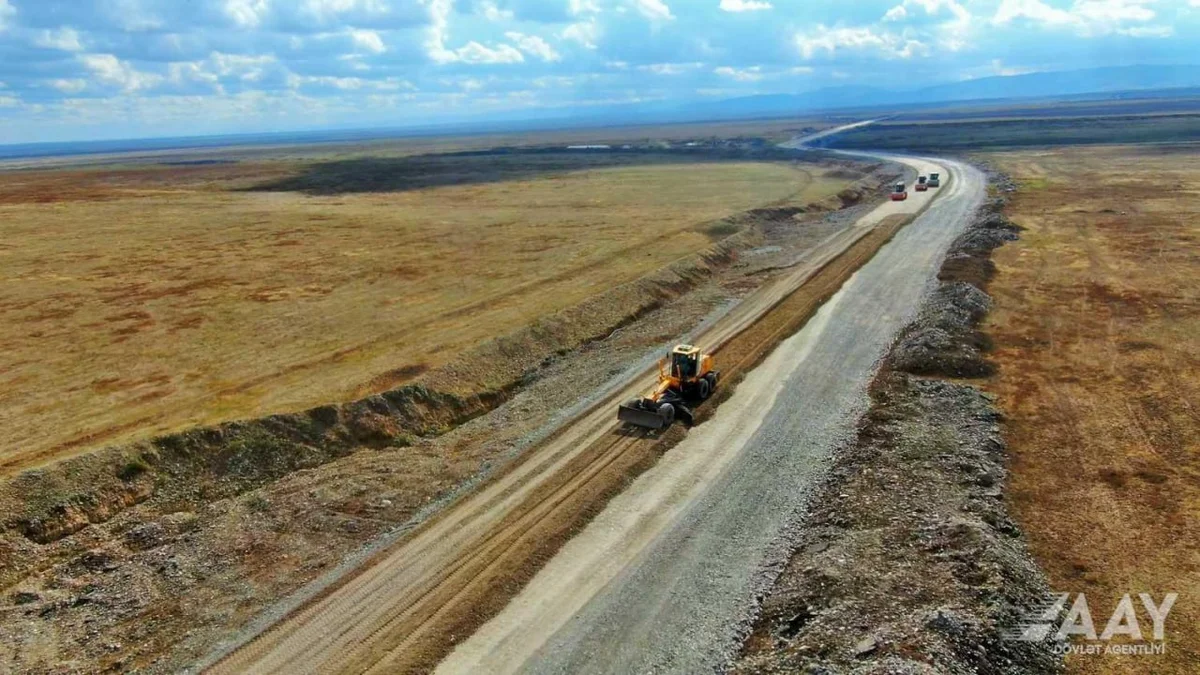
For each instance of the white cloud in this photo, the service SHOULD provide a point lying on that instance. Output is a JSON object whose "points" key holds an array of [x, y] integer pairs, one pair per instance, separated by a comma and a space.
{"points": [[932, 7], [534, 46], [909, 9], [65, 38], [181, 72], [492, 12], [752, 74], [1147, 31], [581, 7], [394, 84], [833, 40], [368, 40], [343, 83], [1113, 11], [249, 68], [329, 10], [954, 22], [1087, 18], [7, 11], [110, 70], [655, 10], [9, 101], [246, 13], [1034, 10], [472, 52], [135, 16], [999, 68], [220, 66], [586, 33], [669, 68], [439, 27], [744, 5]]}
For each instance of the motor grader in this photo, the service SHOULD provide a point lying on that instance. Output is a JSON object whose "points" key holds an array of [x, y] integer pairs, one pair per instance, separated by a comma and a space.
{"points": [[685, 377]]}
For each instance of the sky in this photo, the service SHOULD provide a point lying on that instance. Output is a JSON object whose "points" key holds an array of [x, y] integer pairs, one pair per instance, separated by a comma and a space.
{"points": [[102, 69]]}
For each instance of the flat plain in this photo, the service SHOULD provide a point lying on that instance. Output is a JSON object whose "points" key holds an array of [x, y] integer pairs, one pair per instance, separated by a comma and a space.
{"points": [[1095, 326], [1007, 129], [145, 298]]}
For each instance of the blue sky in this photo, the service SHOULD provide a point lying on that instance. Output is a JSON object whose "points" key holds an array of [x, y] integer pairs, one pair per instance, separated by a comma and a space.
{"points": [[76, 69]]}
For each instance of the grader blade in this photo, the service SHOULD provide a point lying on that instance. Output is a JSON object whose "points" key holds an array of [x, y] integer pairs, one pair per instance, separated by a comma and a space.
{"points": [[638, 416]]}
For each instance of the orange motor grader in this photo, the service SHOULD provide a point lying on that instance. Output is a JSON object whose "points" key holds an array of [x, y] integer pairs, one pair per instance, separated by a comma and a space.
{"points": [[685, 378]]}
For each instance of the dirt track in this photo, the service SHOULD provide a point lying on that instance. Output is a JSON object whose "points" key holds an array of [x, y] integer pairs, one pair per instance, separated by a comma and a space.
{"points": [[405, 607]]}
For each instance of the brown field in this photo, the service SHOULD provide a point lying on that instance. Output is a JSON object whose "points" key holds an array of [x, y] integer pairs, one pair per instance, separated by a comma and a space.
{"points": [[139, 300], [1097, 331]]}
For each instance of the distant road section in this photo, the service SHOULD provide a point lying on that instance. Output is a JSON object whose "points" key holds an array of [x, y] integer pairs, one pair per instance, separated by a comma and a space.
{"points": [[802, 141]]}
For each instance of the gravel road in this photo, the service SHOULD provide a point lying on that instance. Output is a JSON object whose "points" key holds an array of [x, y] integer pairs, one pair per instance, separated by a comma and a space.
{"points": [[666, 578]]}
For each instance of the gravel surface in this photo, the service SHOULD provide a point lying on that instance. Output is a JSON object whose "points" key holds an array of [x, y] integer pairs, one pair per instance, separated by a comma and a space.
{"points": [[684, 602]]}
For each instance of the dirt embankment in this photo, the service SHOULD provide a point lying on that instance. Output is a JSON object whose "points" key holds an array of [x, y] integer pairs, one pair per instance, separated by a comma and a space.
{"points": [[908, 561], [205, 464]]}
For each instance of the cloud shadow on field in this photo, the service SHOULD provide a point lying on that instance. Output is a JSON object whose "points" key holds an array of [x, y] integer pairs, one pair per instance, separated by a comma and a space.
{"points": [[401, 174]]}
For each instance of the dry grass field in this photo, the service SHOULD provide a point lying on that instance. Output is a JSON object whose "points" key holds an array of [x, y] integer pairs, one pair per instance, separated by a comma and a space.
{"points": [[1097, 331], [143, 299]]}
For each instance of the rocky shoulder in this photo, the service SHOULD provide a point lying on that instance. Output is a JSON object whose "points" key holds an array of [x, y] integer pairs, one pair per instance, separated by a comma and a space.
{"points": [[908, 561]]}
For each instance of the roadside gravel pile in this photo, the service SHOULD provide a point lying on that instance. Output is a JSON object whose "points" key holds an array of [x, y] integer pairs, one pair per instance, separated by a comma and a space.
{"points": [[943, 339], [907, 560]]}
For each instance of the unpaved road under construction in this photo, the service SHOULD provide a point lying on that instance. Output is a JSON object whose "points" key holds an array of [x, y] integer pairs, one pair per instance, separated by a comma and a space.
{"points": [[665, 577], [666, 572]]}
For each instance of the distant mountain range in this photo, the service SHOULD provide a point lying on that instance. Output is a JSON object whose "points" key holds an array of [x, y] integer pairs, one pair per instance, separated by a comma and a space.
{"points": [[1091, 83], [1096, 84]]}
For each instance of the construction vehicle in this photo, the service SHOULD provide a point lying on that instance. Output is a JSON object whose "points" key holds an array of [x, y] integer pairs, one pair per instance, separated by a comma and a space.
{"points": [[899, 192], [685, 377], [921, 185], [935, 180]]}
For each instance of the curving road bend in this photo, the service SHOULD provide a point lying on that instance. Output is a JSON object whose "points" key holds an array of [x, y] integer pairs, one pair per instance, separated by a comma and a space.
{"points": [[666, 577], [662, 577]]}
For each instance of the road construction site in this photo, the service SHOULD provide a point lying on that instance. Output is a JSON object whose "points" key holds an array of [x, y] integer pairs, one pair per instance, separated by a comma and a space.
{"points": [[842, 503], [397, 532], [99, 549], [697, 527]]}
